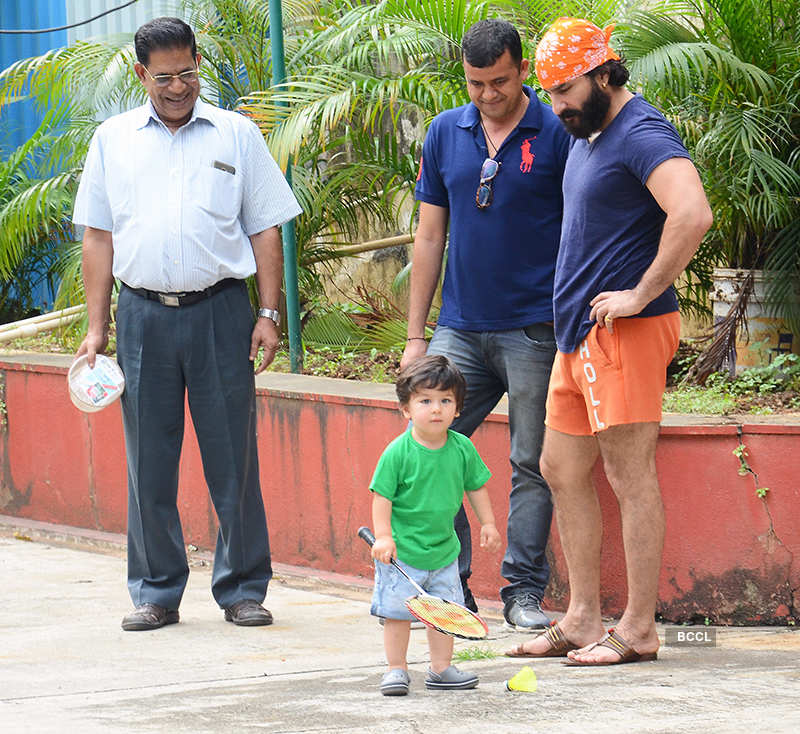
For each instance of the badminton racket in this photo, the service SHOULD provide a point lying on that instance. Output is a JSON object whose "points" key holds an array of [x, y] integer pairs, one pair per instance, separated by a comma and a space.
{"points": [[439, 614]]}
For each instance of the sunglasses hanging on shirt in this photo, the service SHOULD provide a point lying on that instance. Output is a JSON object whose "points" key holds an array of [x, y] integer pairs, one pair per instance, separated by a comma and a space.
{"points": [[489, 170]]}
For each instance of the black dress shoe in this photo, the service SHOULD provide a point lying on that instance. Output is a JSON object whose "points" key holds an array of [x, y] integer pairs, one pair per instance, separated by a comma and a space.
{"points": [[248, 613], [149, 617]]}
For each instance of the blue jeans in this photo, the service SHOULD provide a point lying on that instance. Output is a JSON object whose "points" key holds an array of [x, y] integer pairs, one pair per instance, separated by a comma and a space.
{"points": [[516, 361]]}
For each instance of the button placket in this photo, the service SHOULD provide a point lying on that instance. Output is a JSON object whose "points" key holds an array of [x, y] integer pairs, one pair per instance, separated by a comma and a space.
{"points": [[174, 208]]}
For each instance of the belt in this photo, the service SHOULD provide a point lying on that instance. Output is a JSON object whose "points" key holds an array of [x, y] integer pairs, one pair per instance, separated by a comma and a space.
{"points": [[186, 298]]}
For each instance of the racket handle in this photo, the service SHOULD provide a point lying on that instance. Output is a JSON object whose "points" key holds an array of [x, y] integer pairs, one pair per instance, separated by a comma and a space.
{"points": [[366, 535]]}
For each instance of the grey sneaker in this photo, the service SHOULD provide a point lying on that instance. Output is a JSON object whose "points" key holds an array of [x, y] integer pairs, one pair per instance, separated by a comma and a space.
{"points": [[524, 613], [450, 679], [395, 682]]}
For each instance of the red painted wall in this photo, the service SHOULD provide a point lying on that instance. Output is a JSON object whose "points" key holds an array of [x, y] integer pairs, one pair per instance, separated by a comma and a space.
{"points": [[729, 554]]}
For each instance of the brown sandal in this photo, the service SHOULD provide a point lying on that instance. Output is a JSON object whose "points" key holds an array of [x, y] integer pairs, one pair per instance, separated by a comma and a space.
{"points": [[614, 642], [559, 645]]}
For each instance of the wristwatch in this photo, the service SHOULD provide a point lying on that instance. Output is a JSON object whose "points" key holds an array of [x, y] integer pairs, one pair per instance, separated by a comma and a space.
{"points": [[270, 313]]}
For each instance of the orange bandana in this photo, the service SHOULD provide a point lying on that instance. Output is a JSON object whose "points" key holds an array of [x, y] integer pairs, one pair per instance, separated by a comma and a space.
{"points": [[570, 48]]}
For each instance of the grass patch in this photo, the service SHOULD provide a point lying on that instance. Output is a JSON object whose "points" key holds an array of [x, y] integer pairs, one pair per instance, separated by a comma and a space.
{"points": [[474, 652], [694, 399]]}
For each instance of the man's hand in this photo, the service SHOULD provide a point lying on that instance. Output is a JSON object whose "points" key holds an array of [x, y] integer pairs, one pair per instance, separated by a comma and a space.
{"points": [[93, 343], [266, 335], [610, 305], [490, 538], [384, 549], [415, 349]]}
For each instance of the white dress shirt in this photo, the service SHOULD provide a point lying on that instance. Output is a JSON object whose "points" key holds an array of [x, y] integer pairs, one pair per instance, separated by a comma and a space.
{"points": [[181, 207]]}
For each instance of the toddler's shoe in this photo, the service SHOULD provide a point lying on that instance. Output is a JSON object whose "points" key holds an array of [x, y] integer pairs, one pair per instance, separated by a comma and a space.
{"points": [[450, 679], [395, 682]]}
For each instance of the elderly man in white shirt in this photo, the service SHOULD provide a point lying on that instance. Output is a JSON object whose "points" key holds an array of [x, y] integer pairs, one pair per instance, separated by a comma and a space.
{"points": [[181, 202]]}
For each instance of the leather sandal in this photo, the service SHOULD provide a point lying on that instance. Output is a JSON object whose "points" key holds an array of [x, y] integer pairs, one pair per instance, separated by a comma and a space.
{"points": [[614, 642], [559, 645]]}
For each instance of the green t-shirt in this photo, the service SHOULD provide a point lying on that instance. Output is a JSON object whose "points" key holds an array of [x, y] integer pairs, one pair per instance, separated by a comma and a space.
{"points": [[426, 488]]}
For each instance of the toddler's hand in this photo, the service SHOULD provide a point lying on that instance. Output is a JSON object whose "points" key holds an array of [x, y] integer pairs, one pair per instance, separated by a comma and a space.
{"points": [[490, 538], [384, 549]]}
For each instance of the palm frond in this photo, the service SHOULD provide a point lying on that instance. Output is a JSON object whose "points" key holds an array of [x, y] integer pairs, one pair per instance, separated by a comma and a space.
{"points": [[334, 330], [782, 270]]}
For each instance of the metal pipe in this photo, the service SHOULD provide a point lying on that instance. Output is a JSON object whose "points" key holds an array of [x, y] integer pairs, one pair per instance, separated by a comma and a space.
{"points": [[289, 238], [45, 322], [29, 330], [42, 317]]}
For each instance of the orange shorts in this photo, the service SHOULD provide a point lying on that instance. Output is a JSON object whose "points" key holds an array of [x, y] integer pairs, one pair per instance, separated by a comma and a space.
{"points": [[613, 379]]}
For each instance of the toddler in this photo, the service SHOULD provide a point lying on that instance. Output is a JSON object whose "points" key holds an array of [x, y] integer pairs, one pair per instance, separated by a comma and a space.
{"points": [[418, 488]]}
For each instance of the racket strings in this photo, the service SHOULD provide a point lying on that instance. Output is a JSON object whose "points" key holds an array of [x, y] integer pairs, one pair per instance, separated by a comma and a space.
{"points": [[447, 616]]}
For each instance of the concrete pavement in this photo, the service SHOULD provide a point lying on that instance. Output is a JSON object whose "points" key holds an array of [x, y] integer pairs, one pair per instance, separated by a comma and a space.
{"points": [[65, 664]]}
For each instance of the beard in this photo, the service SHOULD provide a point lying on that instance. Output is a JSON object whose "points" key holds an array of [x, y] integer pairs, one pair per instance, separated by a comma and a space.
{"points": [[588, 119]]}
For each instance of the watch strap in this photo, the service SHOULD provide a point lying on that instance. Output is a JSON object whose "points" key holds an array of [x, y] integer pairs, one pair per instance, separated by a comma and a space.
{"points": [[270, 313]]}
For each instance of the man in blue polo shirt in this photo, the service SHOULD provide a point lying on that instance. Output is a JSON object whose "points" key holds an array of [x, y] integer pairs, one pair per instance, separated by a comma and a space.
{"points": [[492, 171]]}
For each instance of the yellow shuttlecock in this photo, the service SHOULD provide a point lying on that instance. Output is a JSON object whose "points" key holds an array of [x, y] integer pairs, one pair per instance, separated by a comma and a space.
{"points": [[525, 680]]}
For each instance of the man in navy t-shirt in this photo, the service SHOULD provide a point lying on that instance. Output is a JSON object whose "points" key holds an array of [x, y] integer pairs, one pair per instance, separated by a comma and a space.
{"points": [[491, 171], [634, 214]]}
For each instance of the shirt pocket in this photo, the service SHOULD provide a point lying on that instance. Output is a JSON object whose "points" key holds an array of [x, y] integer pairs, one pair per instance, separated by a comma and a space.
{"points": [[219, 193]]}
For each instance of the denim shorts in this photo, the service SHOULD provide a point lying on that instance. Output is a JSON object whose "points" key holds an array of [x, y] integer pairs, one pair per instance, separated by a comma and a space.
{"points": [[391, 589]]}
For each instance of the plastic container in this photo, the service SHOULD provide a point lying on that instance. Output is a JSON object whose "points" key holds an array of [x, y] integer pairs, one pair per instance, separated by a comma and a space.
{"points": [[92, 389]]}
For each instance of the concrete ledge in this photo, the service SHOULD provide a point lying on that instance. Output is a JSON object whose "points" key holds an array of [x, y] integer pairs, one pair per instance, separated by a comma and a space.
{"points": [[730, 555]]}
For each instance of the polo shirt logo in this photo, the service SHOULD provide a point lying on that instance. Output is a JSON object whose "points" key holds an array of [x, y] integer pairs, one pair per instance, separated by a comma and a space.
{"points": [[527, 157]]}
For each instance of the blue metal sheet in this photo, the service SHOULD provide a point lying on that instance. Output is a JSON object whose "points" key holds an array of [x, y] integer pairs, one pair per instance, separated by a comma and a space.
{"points": [[18, 121]]}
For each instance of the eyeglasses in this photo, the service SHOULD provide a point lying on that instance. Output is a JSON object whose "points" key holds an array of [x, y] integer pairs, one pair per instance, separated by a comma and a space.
{"points": [[164, 80], [489, 170]]}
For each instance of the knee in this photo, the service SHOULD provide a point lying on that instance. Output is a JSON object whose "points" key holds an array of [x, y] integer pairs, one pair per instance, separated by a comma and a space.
{"points": [[564, 476], [631, 481], [551, 474]]}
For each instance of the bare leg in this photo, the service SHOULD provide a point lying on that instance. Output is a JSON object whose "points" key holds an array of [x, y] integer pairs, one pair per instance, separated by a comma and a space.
{"points": [[395, 642], [629, 460], [441, 647], [567, 462]]}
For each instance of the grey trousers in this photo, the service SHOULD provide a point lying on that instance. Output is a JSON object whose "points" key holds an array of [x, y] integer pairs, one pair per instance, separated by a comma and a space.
{"points": [[166, 353], [516, 361]]}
